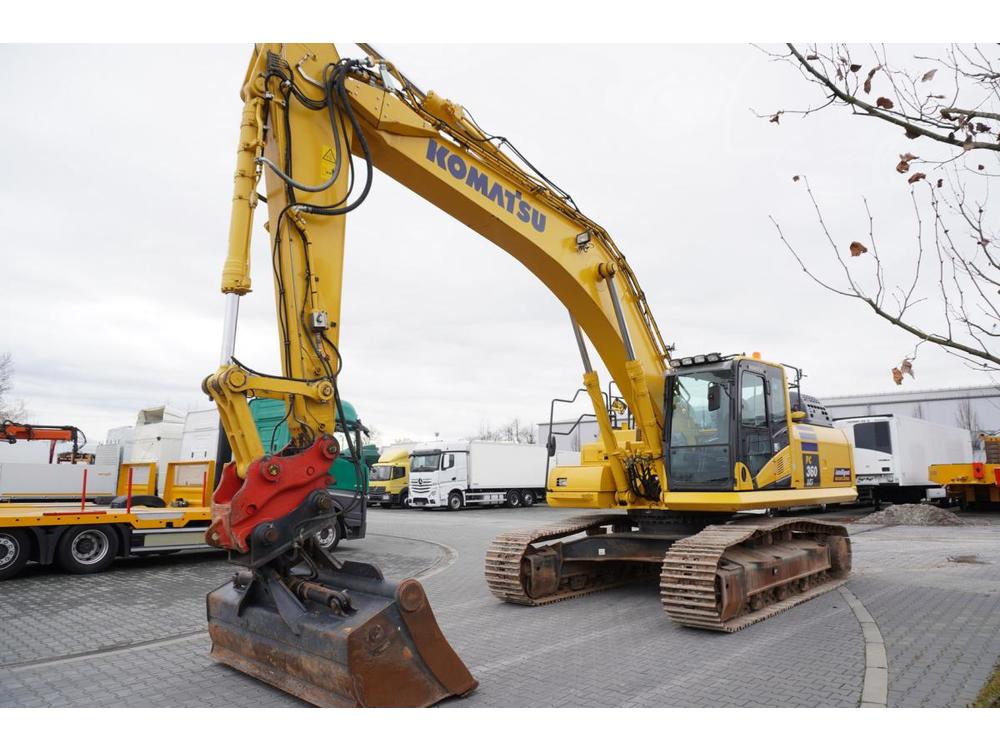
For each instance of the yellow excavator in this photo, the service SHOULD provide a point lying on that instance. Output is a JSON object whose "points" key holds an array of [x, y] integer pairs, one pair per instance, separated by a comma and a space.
{"points": [[711, 436]]}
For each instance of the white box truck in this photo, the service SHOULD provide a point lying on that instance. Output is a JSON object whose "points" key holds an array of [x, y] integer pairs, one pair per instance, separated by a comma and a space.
{"points": [[464, 473], [892, 455]]}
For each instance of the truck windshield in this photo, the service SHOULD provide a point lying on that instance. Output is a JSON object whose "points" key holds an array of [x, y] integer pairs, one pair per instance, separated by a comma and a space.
{"points": [[425, 462], [380, 473]]}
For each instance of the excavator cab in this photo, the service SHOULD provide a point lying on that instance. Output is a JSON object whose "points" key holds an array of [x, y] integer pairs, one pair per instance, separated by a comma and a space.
{"points": [[736, 425], [728, 419]]}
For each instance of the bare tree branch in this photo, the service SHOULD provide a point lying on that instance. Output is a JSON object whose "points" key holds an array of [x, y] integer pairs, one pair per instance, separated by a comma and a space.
{"points": [[12, 410], [908, 123], [953, 100]]}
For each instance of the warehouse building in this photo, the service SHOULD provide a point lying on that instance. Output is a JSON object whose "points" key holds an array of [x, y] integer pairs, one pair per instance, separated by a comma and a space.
{"points": [[975, 408]]}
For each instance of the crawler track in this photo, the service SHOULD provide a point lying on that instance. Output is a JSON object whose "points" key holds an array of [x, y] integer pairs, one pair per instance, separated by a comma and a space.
{"points": [[692, 569], [506, 555], [689, 588]]}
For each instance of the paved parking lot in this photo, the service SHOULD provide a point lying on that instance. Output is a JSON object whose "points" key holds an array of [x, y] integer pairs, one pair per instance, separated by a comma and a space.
{"points": [[135, 636]]}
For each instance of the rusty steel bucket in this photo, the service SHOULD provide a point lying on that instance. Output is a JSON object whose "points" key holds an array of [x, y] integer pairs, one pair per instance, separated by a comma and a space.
{"points": [[377, 644]]}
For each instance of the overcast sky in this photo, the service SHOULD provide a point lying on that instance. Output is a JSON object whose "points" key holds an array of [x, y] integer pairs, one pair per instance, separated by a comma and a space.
{"points": [[115, 198]]}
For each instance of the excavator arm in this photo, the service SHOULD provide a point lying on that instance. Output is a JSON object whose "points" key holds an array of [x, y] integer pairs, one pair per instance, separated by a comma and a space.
{"points": [[329, 631], [308, 96]]}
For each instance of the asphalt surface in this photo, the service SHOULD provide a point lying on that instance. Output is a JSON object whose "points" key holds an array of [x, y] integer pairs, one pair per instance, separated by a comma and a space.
{"points": [[919, 626]]}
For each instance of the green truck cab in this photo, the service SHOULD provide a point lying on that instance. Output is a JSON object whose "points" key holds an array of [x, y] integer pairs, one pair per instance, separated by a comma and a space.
{"points": [[390, 478], [272, 426]]}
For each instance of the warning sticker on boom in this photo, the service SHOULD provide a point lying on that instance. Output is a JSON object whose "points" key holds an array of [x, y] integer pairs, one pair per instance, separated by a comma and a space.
{"points": [[327, 162]]}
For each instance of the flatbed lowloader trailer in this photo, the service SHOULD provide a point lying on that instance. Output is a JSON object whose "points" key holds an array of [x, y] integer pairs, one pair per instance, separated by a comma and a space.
{"points": [[66, 483], [973, 486], [85, 537]]}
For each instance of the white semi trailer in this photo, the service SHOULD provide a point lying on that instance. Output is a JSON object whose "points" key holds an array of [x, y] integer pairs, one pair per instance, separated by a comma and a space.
{"points": [[892, 455], [464, 473]]}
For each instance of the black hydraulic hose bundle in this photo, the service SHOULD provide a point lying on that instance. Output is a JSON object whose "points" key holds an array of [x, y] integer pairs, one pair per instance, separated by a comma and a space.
{"points": [[336, 101]]}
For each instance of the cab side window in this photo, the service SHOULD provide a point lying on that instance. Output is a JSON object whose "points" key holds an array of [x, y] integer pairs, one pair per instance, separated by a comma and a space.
{"points": [[777, 411], [755, 436], [777, 397], [448, 461], [752, 395]]}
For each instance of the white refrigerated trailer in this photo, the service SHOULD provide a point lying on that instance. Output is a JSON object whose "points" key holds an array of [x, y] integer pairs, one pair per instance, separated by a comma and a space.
{"points": [[892, 455], [464, 473]]}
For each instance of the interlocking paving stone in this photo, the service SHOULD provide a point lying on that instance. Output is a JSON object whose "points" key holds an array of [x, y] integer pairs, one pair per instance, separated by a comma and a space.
{"points": [[940, 622]]}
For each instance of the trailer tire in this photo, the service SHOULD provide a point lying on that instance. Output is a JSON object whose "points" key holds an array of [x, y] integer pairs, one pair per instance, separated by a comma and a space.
{"points": [[14, 552], [87, 549], [455, 500], [513, 498], [528, 498]]}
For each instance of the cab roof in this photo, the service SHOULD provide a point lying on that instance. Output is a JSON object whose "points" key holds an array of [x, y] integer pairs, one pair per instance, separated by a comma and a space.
{"points": [[390, 455]]}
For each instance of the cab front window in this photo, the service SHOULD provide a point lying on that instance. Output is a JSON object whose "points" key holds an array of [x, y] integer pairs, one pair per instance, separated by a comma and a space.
{"points": [[699, 408]]}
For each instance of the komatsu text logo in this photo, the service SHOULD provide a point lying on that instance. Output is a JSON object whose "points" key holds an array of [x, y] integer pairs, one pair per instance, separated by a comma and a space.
{"points": [[511, 202]]}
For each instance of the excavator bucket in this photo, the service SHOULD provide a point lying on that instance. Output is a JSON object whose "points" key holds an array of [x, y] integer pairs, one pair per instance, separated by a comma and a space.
{"points": [[341, 638]]}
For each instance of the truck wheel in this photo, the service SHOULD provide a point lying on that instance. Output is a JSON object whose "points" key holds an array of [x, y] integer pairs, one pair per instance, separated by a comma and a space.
{"points": [[87, 549], [455, 500], [528, 498], [403, 499], [13, 552], [513, 498], [329, 537]]}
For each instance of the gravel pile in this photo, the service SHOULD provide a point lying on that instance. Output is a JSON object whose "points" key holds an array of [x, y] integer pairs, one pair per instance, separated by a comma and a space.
{"points": [[913, 515]]}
